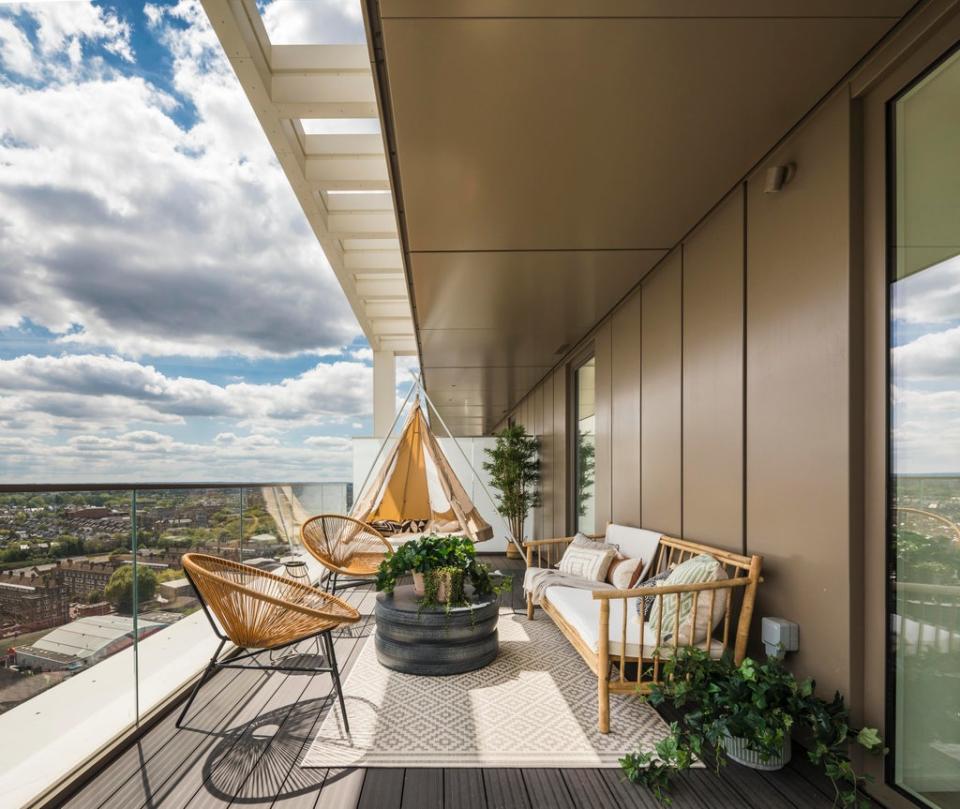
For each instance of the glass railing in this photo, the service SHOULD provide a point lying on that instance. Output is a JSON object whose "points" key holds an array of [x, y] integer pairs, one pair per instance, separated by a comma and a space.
{"points": [[98, 622]]}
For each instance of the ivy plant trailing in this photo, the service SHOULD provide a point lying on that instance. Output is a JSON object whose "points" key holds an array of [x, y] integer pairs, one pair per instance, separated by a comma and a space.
{"points": [[453, 558], [759, 702]]}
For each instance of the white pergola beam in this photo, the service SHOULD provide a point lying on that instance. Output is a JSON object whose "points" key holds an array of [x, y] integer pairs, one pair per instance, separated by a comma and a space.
{"points": [[341, 145], [362, 225], [357, 231], [365, 201]]}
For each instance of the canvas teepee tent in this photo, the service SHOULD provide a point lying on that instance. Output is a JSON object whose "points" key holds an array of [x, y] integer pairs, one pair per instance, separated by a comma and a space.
{"points": [[416, 482]]}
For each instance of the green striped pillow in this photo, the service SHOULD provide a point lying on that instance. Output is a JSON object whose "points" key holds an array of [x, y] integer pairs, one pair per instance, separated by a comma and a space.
{"points": [[698, 570]]}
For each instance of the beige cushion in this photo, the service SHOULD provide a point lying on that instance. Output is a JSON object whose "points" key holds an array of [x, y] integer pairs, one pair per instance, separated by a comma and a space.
{"points": [[692, 628], [635, 543], [624, 573], [585, 562], [582, 613]]}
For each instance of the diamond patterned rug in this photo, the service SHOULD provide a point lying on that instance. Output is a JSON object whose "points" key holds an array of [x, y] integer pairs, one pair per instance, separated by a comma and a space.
{"points": [[534, 706]]}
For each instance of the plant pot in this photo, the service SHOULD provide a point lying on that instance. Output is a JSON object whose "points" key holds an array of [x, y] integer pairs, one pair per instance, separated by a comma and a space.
{"points": [[512, 552], [738, 751], [419, 588]]}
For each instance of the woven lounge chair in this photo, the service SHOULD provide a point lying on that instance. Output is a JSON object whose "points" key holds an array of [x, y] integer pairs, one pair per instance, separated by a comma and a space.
{"points": [[256, 610], [346, 547]]}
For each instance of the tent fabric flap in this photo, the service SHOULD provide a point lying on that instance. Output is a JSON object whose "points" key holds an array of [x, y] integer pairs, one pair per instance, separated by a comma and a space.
{"points": [[417, 482]]}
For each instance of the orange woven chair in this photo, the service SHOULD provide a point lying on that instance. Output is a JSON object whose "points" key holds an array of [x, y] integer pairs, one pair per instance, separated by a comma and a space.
{"points": [[257, 610], [346, 547]]}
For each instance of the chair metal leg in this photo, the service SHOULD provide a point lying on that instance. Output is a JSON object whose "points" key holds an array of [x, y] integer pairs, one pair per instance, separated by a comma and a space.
{"points": [[335, 673], [211, 667]]}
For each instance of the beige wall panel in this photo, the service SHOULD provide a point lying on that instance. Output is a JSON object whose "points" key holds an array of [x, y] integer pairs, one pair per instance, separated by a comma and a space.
{"points": [[625, 415], [560, 451], [660, 415], [603, 487], [547, 458], [798, 364], [713, 378]]}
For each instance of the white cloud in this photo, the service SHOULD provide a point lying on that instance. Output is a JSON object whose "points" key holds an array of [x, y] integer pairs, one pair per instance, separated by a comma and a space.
{"points": [[123, 228], [16, 52], [926, 431], [95, 388], [313, 22], [933, 356], [931, 296]]}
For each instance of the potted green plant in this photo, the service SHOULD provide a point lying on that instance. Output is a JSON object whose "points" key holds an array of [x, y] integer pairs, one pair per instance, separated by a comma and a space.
{"points": [[514, 470], [443, 565], [748, 712]]}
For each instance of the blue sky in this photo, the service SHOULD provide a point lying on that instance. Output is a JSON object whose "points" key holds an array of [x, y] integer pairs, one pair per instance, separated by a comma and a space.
{"points": [[165, 311]]}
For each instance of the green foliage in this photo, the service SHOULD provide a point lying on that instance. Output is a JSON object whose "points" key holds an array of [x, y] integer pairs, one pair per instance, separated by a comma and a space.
{"points": [[430, 554], [586, 463], [760, 702], [514, 471], [119, 590], [94, 597], [926, 559]]}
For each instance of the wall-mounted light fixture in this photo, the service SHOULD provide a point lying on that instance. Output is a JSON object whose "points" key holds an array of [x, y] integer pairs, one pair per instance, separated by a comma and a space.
{"points": [[778, 176]]}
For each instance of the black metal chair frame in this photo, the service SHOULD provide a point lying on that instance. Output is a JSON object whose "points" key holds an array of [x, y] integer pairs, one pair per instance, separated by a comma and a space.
{"points": [[230, 662]]}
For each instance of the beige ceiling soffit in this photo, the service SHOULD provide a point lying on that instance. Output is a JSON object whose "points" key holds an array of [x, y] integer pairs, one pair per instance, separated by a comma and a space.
{"points": [[341, 180]]}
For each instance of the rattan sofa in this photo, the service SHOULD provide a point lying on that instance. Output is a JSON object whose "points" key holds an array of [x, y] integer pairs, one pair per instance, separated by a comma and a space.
{"points": [[625, 654]]}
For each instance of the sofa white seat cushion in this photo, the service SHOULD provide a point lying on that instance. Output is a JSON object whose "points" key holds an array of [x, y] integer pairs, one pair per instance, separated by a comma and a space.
{"points": [[635, 543], [581, 612]]}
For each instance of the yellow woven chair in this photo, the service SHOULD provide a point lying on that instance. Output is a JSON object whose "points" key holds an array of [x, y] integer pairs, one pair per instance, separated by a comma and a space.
{"points": [[256, 610], [346, 547]]}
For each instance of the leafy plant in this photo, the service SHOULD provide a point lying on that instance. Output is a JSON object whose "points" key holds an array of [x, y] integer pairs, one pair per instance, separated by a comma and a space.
{"points": [[586, 463], [514, 471], [439, 555], [760, 702]]}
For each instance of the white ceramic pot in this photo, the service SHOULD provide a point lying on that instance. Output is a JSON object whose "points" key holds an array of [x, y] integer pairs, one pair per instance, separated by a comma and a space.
{"points": [[738, 751]]}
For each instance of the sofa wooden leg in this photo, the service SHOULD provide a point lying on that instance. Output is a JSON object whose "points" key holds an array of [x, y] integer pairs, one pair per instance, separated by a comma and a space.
{"points": [[530, 606], [603, 704]]}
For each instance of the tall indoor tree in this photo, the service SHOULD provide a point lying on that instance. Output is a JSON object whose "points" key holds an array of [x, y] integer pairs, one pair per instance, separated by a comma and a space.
{"points": [[514, 469]]}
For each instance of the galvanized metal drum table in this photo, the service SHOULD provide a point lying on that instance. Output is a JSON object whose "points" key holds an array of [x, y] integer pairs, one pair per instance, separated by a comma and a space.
{"points": [[433, 641]]}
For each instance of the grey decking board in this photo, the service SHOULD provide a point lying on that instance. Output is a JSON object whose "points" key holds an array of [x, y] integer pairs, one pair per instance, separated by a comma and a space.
{"points": [[463, 789], [126, 765], [546, 789], [382, 789], [422, 789], [712, 792], [627, 795], [191, 778], [185, 744], [587, 789], [505, 789], [754, 789], [789, 783], [341, 789]]}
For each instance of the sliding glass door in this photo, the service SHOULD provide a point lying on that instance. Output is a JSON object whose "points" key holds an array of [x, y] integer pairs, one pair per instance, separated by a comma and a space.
{"points": [[924, 555]]}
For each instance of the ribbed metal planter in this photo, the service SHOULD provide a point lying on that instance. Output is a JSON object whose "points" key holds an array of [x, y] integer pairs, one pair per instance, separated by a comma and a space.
{"points": [[738, 751], [432, 641]]}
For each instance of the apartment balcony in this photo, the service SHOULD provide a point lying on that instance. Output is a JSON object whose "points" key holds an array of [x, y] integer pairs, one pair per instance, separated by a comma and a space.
{"points": [[247, 734]]}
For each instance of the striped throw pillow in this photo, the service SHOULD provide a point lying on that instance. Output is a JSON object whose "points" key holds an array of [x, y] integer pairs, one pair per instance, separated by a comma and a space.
{"points": [[588, 563], [698, 570]]}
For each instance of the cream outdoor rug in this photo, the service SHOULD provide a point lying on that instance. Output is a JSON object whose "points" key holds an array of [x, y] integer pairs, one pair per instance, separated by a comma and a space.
{"points": [[534, 706]]}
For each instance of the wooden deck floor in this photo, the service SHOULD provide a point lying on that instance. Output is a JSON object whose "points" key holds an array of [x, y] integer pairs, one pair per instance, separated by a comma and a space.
{"points": [[247, 732]]}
